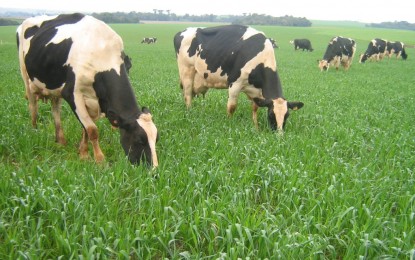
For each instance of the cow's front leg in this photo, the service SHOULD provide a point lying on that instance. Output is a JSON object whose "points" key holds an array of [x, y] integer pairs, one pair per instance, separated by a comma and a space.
{"points": [[90, 129], [90, 133], [93, 137]]}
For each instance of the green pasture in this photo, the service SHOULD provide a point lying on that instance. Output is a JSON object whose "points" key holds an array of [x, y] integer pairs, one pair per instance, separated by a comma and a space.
{"points": [[339, 184]]}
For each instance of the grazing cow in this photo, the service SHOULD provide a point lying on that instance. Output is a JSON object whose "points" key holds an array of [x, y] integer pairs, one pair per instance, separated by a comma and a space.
{"points": [[149, 40], [340, 50], [375, 50], [274, 43], [397, 48], [81, 59], [303, 44], [236, 57]]}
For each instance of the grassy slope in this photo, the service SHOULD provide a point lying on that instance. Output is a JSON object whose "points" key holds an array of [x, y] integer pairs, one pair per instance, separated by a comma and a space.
{"points": [[338, 184]]}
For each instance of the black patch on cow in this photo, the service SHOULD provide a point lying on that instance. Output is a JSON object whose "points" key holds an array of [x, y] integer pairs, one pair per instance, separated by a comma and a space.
{"points": [[266, 79], [68, 89], [177, 41], [63, 19], [47, 63], [29, 32], [115, 94]]}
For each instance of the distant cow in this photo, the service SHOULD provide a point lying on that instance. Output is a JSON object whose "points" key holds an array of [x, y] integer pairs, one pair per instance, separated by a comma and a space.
{"points": [[375, 50], [149, 40], [274, 43], [81, 59], [303, 44], [236, 57], [340, 50], [397, 49]]}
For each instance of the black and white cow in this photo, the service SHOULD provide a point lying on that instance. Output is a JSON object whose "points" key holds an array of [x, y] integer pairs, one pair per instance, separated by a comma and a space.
{"points": [[149, 40], [303, 44], [80, 59], [235, 57], [375, 50], [397, 49], [340, 51]]}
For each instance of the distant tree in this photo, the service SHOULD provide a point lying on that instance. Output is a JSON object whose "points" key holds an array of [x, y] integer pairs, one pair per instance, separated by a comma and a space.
{"points": [[8, 22], [402, 25], [159, 15]]}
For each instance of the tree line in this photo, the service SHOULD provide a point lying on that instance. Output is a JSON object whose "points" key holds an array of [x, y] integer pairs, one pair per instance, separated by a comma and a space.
{"points": [[402, 25], [161, 15]]}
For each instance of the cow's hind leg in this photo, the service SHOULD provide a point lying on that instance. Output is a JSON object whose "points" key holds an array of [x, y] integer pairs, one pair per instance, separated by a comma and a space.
{"points": [[56, 112], [83, 146], [255, 114], [187, 80], [33, 106]]}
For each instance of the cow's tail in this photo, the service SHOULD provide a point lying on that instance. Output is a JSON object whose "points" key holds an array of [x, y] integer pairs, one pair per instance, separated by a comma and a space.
{"points": [[403, 54]]}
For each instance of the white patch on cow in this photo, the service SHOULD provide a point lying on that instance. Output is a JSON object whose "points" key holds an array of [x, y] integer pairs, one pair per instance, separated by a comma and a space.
{"points": [[96, 47], [146, 122], [280, 109], [250, 32], [39, 88]]}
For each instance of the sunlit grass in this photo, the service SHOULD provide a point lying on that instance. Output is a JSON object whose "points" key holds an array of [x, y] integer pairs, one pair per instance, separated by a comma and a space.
{"points": [[338, 185]]}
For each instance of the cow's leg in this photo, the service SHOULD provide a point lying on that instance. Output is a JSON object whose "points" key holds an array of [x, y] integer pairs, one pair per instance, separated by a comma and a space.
{"points": [[254, 114], [56, 112], [233, 98], [89, 126], [33, 106], [83, 146], [187, 78]]}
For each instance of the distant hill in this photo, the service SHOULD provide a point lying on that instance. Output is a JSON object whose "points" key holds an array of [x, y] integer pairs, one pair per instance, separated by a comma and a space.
{"points": [[322, 23]]}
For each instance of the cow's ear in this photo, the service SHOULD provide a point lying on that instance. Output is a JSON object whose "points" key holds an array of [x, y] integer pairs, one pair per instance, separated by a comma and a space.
{"points": [[113, 117], [263, 102], [295, 105]]}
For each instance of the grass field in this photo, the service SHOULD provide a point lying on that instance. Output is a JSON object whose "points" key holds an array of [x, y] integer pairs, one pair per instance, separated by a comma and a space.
{"points": [[339, 184]]}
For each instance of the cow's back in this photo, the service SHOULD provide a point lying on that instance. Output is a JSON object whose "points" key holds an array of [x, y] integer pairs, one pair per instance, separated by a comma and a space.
{"points": [[81, 43], [228, 48], [339, 46]]}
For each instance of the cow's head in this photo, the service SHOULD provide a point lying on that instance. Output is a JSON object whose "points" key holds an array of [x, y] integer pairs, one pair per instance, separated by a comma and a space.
{"points": [[363, 58], [278, 111], [323, 65], [138, 137]]}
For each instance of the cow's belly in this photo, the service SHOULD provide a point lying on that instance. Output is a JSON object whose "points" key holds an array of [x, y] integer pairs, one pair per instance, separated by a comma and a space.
{"points": [[40, 89], [205, 80]]}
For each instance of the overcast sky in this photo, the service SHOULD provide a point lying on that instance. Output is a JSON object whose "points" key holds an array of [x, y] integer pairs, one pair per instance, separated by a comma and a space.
{"points": [[352, 10]]}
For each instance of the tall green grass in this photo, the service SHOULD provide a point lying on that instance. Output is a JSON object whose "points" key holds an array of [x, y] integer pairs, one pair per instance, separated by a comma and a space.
{"points": [[339, 184]]}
